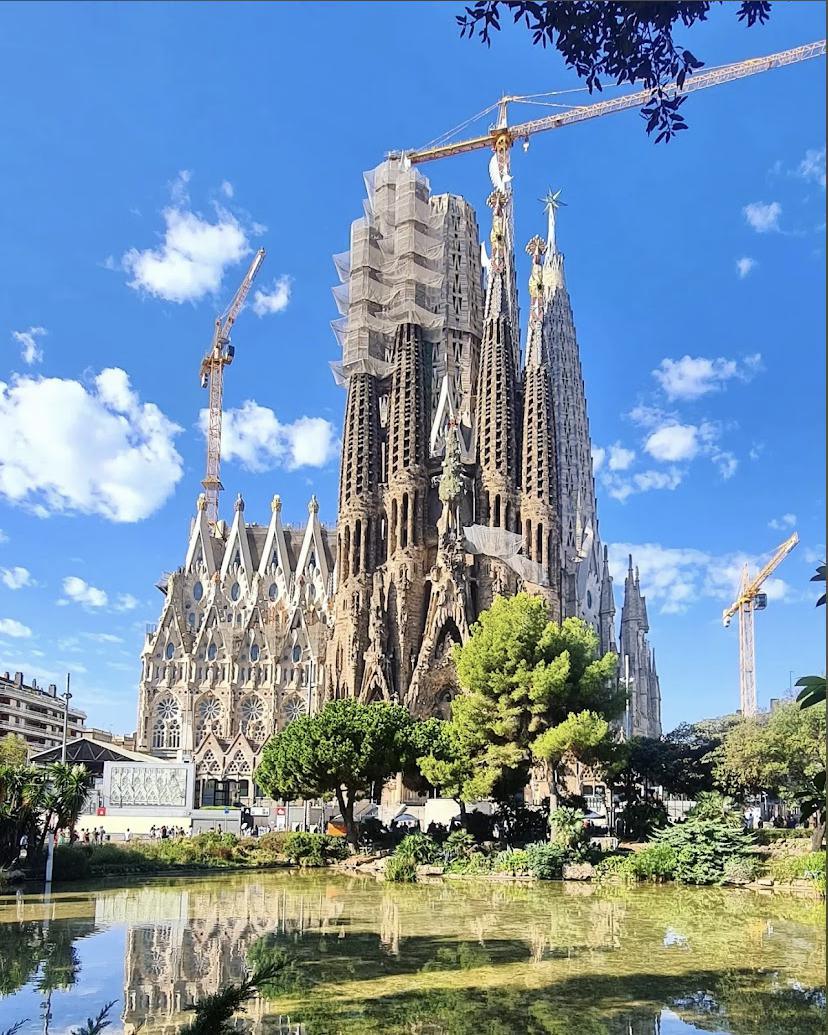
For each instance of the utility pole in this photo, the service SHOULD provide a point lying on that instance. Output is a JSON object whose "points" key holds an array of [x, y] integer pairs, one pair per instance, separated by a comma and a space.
{"points": [[68, 697]]}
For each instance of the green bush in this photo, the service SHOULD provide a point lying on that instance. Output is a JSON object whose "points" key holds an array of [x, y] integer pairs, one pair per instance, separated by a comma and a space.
{"points": [[740, 870], [643, 818], [702, 847], [568, 828], [458, 845], [313, 849], [420, 848], [800, 867], [615, 867], [400, 869], [72, 862], [546, 860], [657, 862], [473, 865], [769, 835], [514, 861]]}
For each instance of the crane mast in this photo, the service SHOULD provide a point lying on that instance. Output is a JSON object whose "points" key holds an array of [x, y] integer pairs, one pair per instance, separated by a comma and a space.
{"points": [[219, 356], [502, 135], [750, 600]]}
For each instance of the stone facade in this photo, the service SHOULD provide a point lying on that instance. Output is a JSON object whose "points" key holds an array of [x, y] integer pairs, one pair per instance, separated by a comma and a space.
{"points": [[239, 649]]}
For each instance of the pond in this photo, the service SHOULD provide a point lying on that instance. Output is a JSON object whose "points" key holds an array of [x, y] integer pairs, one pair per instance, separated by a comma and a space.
{"points": [[454, 958]]}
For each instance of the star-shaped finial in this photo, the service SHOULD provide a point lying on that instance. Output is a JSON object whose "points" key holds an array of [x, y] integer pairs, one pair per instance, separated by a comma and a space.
{"points": [[552, 200]]}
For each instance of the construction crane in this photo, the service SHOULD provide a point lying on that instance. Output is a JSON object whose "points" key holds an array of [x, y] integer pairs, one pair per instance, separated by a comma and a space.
{"points": [[212, 377], [502, 136], [750, 600]]}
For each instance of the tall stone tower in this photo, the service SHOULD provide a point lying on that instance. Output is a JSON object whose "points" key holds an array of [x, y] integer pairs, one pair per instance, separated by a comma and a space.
{"points": [[466, 473], [638, 669]]}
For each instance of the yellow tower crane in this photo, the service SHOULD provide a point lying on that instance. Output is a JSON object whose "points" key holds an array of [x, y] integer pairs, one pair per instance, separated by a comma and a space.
{"points": [[502, 136], [750, 600], [212, 377]]}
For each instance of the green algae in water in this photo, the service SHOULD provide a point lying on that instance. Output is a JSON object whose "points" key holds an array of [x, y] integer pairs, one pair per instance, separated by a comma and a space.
{"points": [[460, 958]]}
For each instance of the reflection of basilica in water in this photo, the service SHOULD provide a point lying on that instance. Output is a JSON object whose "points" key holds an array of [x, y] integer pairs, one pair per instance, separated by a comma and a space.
{"points": [[186, 942]]}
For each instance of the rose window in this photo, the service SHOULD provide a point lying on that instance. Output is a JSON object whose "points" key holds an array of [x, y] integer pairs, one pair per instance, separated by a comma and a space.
{"points": [[294, 707], [208, 717], [166, 729]]}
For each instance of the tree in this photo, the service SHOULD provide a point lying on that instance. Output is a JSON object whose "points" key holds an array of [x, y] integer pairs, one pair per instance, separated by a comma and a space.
{"points": [[521, 676], [624, 42], [13, 750], [578, 738], [342, 751], [444, 760], [778, 754], [69, 786]]}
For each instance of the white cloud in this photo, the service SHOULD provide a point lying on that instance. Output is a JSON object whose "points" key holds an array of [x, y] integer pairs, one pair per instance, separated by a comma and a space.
{"points": [[274, 299], [30, 351], [786, 521], [673, 442], [98, 450], [227, 189], [725, 462], [104, 638], [254, 436], [3, 537], [763, 216], [598, 456], [674, 578], [812, 167], [16, 578], [619, 457], [17, 630], [191, 260], [77, 591], [814, 554], [125, 602], [693, 376], [745, 265], [621, 487]]}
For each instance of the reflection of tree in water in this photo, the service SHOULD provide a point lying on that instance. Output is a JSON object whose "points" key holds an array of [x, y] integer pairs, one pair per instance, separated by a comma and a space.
{"points": [[40, 951]]}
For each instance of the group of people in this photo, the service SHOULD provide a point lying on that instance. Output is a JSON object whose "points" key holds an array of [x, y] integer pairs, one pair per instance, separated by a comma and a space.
{"points": [[161, 833]]}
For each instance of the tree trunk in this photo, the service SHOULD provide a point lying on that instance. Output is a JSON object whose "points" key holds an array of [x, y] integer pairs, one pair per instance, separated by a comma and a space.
{"points": [[817, 837], [463, 816], [551, 776], [346, 807]]}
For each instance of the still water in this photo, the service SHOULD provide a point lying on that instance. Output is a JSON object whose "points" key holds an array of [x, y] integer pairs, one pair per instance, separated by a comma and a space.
{"points": [[441, 959]]}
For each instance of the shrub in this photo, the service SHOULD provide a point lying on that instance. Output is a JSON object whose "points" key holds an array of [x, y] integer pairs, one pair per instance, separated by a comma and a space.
{"points": [[800, 867], [740, 870], [702, 847], [400, 869], [568, 828], [458, 845], [643, 818], [546, 860], [769, 835], [479, 825], [72, 862], [420, 848], [712, 805], [514, 861], [474, 865], [615, 867], [313, 849], [656, 862]]}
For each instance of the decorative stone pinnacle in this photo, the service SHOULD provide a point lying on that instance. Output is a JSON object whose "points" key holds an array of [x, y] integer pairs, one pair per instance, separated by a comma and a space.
{"points": [[201, 502], [536, 248], [239, 504], [276, 504], [313, 506]]}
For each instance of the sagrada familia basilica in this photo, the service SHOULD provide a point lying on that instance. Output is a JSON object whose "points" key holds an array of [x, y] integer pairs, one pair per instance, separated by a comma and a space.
{"points": [[466, 472]]}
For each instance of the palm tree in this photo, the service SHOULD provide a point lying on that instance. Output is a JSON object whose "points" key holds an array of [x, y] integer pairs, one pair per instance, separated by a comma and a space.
{"points": [[69, 787]]}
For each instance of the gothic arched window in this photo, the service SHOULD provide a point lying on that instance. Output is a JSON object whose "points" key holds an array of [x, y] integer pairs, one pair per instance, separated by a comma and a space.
{"points": [[209, 713]]}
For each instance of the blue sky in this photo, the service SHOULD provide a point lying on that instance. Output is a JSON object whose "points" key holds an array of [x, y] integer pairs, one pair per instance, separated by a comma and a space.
{"points": [[150, 147]]}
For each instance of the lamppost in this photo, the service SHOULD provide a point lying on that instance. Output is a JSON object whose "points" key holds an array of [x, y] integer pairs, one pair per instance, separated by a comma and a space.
{"points": [[67, 697]]}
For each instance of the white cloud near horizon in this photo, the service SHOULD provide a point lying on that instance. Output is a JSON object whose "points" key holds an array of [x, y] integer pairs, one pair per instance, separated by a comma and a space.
{"points": [[676, 578], [16, 578], [745, 265], [254, 435], [30, 350], [66, 447], [763, 216], [274, 299], [694, 376]]}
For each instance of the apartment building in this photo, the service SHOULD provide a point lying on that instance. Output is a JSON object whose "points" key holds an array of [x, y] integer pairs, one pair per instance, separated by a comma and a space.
{"points": [[36, 713]]}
